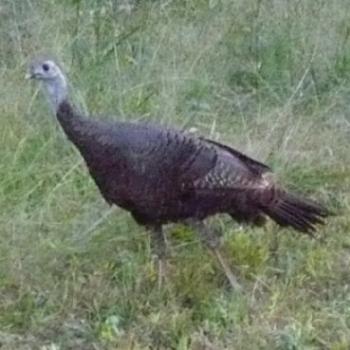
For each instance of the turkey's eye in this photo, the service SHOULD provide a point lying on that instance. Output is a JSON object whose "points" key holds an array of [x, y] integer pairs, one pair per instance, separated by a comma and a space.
{"points": [[46, 67]]}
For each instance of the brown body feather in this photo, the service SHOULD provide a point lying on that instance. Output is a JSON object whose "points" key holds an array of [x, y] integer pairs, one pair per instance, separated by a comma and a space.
{"points": [[162, 175]]}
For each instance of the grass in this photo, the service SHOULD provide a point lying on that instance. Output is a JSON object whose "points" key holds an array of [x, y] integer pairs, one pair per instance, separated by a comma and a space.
{"points": [[270, 78]]}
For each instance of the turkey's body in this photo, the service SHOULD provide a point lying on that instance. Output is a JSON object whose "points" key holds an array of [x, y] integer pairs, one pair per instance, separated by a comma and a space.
{"points": [[162, 175]]}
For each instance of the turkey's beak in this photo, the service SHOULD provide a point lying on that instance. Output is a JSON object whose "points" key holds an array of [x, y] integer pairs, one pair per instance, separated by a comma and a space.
{"points": [[29, 75]]}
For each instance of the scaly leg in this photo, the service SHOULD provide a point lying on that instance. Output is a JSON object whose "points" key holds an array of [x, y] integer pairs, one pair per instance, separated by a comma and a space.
{"points": [[159, 247], [213, 242]]}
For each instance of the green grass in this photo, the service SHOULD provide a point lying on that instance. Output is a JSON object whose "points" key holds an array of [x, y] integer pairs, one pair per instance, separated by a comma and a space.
{"points": [[270, 78]]}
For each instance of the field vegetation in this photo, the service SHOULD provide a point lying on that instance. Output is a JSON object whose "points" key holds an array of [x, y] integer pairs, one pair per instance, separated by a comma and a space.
{"points": [[269, 77]]}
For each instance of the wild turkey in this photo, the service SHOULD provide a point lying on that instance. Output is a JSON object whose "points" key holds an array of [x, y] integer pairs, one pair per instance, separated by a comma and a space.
{"points": [[162, 175]]}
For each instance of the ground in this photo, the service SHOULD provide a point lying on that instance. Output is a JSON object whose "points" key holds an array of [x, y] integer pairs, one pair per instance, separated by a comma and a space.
{"points": [[270, 78]]}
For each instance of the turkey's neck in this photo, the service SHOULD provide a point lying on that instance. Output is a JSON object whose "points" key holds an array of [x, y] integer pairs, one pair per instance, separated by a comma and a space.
{"points": [[56, 91], [73, 124], [67, 116]]}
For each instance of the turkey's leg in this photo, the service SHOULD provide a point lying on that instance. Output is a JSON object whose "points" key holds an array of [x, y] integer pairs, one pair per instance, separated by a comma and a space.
{"points": [[159, 247], [213, 242]]}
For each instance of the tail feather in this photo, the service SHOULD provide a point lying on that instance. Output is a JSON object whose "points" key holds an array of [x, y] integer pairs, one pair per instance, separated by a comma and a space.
{"points": [[299, 213]]}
